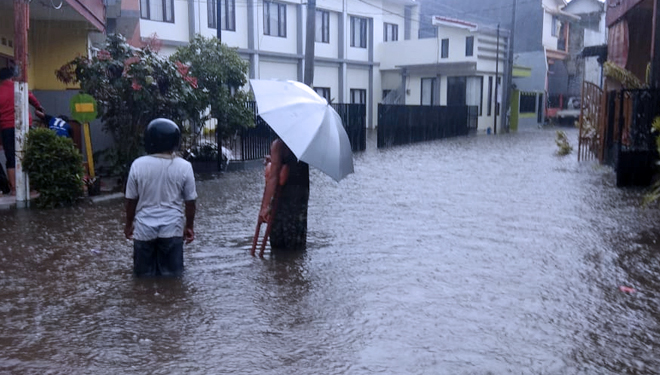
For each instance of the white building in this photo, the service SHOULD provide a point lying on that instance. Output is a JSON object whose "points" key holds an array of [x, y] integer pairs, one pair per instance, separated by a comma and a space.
{"points": [[271, 36], [457, 67]]}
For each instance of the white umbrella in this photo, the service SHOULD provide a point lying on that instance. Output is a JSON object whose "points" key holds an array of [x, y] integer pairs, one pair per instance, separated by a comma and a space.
{"points": [[306, 123]]}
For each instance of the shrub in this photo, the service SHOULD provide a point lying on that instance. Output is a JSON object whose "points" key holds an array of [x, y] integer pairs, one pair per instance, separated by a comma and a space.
{"points": [[54, 165], [561, 140]]}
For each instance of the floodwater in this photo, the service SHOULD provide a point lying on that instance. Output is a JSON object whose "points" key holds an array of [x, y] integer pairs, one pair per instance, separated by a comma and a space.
{"points": [[476, 255]]}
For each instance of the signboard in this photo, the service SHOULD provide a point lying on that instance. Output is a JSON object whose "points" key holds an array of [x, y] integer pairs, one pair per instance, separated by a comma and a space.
{"points": [[83, 108]]}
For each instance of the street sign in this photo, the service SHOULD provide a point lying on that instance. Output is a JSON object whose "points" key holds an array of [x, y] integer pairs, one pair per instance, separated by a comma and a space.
{"points": [[83, 108]]}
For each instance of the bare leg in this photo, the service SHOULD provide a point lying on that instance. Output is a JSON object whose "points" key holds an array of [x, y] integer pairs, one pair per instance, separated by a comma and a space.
{"points": [[11, 176]]}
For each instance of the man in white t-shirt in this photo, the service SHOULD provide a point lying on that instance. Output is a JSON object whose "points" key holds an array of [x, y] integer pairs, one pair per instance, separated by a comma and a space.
{"points": [[160, 203]]}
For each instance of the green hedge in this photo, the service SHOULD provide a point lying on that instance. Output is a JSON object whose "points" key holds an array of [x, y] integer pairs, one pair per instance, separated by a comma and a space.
{"points": [[54, 165]]}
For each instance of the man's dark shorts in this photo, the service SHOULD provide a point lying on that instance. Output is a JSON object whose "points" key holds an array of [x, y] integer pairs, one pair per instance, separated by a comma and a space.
{"points": [[9, 146], [159, 257]]}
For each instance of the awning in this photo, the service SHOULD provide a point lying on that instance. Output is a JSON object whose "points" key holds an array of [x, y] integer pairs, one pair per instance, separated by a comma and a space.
{"points": [[595, 51], [92, 10], [564, 16]]}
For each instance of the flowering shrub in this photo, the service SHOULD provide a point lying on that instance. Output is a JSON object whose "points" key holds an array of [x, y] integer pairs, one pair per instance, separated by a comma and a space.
{"points": [[132, 87]]}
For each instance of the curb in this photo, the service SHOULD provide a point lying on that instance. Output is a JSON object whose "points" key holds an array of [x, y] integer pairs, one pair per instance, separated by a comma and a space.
{"points": [[105, 198]]}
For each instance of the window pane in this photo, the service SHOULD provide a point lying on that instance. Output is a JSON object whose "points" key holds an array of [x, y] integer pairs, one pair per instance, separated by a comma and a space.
{"points": [[282, 20], [427, 91], [469, 46], [363, 33], [210, 6], [445, 48], [156, 10], [144, 9], [326, 27], [353, 31], [231, 11], [318, 31], [169, 10]]}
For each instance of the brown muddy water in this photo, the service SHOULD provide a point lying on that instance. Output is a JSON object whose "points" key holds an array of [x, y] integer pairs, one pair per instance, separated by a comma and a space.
{"points": [[477, 255]]}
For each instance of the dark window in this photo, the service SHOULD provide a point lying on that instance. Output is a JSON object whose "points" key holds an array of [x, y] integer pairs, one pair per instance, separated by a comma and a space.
{"points": [[358, 96], [157, 10], [539, 111], [469, 46], [390, 32], [428, 91], [228, 14], [322, 34], [490, 96], [386, 93], [323, 92], [527, 102], [274, 19], [358, 32], [457, 91], [555, 27], [445, 49], [481, 97]]}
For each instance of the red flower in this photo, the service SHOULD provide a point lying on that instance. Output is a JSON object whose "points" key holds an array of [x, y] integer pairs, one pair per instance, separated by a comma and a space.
{"points": [[136, 86], [104, 55], [182, 68], [131, 60], [192, 81]]}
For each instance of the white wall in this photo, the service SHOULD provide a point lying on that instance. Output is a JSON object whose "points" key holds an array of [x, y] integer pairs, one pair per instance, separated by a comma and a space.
{"points": [[549, 41], [165, 30], [277, 70], [327, 76]]}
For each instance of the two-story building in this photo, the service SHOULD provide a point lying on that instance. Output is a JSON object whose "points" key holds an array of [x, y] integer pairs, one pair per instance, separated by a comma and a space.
{"points": [[458, 66], [271, 36]]}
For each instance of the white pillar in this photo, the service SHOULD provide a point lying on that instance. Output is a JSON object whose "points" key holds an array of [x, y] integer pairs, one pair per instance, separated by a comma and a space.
{"points": [[21, 127]]}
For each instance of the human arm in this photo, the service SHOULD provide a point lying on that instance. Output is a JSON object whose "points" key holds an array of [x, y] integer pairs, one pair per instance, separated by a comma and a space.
{"points": [[34, 102], [131, 206], [272, 179], [188, 231]]}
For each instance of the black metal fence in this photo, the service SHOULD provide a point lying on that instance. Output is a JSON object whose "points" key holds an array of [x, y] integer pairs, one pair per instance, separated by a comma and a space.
{"points": [[403, 124], [254, 143], [628, 141]]}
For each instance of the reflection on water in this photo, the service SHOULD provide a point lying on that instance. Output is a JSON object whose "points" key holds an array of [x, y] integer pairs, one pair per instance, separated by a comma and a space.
{"points": [[471, 255]]}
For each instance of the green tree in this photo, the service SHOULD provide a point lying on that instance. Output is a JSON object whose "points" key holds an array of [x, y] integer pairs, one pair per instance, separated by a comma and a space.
{"points": [[220, 73], [132, 87]]}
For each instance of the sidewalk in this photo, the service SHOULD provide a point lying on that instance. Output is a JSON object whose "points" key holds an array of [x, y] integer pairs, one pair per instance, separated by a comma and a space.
{"points": [[8, 202]]}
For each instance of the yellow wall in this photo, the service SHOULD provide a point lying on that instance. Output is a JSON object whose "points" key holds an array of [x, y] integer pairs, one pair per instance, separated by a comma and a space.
{"points": [[7, 32], [51, 45]]}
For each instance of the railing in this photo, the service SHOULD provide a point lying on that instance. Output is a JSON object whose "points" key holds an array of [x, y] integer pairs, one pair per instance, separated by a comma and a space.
{"points": [[591, 118], [403, 124], [628, 142], [254, 143]]}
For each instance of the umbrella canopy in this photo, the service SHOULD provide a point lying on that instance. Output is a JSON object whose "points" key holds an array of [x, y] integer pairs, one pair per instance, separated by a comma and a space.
{"points": [[306, 123]]}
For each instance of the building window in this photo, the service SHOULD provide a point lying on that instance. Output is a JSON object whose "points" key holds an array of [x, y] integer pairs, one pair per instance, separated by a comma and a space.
{"points": [[386, 93], [322, 26], [555, 28], [390, 32], [157, 10], [527, 103], [428, 91], [469, 46], [228, 14], [498, 96], [323, 92], [474, 92], [445, 49], [274, 19], [358, 96], [358, 32]]}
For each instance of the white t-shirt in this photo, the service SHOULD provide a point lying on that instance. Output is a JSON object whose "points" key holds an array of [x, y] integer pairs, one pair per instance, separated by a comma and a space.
{"points": [[160, 184]]}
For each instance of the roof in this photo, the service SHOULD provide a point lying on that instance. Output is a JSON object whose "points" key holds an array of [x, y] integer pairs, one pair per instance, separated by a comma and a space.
{"points": [[453, 22]]}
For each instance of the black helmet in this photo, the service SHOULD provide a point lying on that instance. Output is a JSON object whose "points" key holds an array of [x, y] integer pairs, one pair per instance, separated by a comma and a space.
{"points": [[162, 135]]}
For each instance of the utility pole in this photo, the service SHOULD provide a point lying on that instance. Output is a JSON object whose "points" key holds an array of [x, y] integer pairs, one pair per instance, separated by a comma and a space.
{"points": [[310, 39], [655, 46], [497, 76], [218, 21], [509, 78], [21, 116]]}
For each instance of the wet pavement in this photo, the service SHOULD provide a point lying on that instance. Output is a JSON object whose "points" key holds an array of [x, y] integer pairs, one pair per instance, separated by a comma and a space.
{"points": [[477, 255]]}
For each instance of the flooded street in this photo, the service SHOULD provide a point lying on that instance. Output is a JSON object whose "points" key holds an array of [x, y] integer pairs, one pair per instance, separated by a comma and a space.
{"points": [[477, 255]]}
